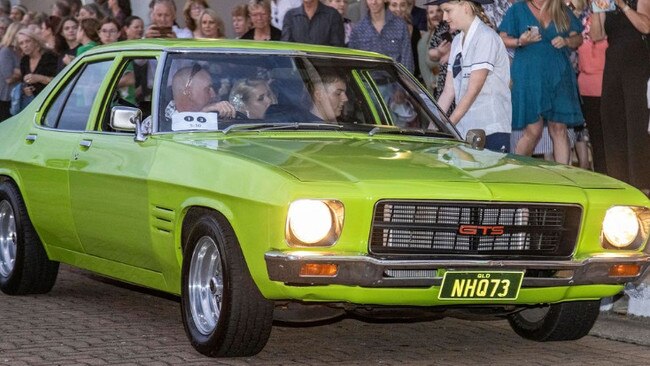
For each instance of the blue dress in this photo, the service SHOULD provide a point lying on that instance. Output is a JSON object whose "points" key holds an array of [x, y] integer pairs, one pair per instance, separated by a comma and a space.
{"points": [[543, 80]]}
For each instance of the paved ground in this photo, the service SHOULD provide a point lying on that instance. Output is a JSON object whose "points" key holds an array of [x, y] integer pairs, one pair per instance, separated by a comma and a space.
{"points": [[86, 320]]}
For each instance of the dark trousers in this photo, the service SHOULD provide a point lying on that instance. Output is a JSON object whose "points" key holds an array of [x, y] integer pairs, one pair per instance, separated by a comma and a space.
{"points": [[499, 141], [624, 112], [591, 111], [4, 110]]}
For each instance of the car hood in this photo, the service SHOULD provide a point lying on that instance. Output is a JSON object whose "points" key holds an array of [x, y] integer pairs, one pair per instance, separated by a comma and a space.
{"points": [[382, 158]]}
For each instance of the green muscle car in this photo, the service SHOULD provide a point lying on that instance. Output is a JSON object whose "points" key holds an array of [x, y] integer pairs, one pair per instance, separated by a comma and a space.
{"points": [[262, 181]]}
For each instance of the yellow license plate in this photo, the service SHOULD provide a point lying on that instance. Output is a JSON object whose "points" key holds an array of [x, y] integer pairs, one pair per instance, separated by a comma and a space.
{"points": [[480, 285]]}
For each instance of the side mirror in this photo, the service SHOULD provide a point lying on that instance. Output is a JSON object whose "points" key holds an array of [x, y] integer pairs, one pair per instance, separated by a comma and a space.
{"points": [[123, 118], [476, 138]]}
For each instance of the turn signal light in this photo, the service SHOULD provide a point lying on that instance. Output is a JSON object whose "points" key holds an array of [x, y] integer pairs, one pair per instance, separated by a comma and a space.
{"points": [[624, 270], [318, 269]]}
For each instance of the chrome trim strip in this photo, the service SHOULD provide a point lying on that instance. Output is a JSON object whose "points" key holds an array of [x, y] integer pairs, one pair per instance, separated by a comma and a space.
{"points": [[365, 271]]}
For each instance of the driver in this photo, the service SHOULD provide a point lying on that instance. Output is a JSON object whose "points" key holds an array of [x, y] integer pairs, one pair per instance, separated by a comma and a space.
{"points": [[193, 91]]}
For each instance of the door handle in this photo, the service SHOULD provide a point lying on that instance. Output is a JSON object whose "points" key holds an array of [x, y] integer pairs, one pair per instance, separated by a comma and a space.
{"points": [[31, 138], [86, 143]]}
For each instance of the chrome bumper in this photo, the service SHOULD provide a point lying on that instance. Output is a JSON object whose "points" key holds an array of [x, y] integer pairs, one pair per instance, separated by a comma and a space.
{"points": [[365, 271]]}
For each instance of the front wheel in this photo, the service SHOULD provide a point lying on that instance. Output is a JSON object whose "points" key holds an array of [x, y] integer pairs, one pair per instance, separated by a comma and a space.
{"points": [[556, 322], [24, 265], [224, 313]]}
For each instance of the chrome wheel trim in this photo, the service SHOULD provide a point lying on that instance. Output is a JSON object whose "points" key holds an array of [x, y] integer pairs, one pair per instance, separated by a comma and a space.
{"points": [[205, 285], [8, 239], [534, 315]]}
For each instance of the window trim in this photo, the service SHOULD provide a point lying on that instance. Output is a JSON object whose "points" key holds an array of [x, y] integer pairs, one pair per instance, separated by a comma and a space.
{"points": [[72, 77], [117, 69]]}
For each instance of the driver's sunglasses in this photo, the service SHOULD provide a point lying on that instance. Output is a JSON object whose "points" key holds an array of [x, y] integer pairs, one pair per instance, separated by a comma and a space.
{"points": [[195, 70]]}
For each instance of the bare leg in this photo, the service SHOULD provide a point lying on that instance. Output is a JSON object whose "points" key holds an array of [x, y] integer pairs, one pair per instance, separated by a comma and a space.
{"points": [[582, 151], [530, 138], [560, 138]]}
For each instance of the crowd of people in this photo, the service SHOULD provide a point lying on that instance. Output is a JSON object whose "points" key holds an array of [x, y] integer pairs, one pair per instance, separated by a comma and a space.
{"points": [[532, 73]]}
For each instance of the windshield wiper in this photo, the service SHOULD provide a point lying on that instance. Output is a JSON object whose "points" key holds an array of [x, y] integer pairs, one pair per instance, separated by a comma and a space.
{"points": [[404, 131], [281, 126]]}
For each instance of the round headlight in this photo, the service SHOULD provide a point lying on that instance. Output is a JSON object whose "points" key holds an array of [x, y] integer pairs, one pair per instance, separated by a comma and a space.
{"points": [[310, 221], [620, 226]]}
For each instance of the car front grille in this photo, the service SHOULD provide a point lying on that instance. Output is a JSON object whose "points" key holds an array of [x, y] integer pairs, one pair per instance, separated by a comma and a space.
{"points": [[495, 230]]}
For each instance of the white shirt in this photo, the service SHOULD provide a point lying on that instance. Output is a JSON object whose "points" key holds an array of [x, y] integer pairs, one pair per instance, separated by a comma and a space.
{"points": [[279, 8], [483, 49], [182, 32]]}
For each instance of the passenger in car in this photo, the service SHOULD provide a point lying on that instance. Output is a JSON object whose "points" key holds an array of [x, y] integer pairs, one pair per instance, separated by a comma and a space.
{"points": [[329, 96], [193, 91], [252, 97]]}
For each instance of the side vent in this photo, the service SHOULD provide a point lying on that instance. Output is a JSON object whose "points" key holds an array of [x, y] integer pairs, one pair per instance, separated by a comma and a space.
{"points": [[162, 219]]}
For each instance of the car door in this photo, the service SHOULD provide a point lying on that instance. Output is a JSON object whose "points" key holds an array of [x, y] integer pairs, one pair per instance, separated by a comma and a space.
{"points": [[108, 184], [48, 149]]}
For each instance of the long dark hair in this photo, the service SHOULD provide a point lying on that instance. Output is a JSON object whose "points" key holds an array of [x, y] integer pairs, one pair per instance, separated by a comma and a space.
{"points": [[125, 6], [130, 19], [60, 44]]}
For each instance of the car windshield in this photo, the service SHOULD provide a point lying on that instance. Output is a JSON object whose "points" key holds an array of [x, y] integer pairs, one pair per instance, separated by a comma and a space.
{"points": [[244, 92]]}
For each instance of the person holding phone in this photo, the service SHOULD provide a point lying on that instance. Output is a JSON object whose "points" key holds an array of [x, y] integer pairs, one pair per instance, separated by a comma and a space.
{"points": [[478, 76], [163, 16], [544, 86], [439, 48]]}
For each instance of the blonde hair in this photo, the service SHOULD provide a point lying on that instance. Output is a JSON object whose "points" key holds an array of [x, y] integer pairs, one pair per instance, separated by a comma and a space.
{"points": [[557, 9], [217, 19], [240, 11], [265, 4], [243, 90], [187, 13], [29, 32], [478, 10], [9, 39]]}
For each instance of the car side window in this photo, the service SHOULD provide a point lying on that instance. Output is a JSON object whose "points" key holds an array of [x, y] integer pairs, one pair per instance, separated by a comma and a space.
{"points": [[404, 108], [71, 108], [129, 90]]}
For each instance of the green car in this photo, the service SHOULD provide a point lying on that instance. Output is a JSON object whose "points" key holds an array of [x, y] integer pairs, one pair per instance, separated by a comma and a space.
{"points": [[262, 181]]}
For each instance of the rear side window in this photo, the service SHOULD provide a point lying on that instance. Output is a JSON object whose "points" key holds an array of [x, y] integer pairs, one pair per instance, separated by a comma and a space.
{"points": [[71, 108]]}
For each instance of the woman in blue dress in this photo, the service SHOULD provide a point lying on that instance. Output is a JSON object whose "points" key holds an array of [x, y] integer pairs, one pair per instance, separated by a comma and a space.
{"points": [[544, 88]]}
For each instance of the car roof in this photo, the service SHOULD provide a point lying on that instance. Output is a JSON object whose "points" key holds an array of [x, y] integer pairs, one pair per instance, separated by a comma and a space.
{"points": [[270, 47]]}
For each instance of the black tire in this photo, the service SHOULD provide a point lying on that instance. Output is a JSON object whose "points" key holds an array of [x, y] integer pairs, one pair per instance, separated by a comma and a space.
{"points": [[32, 272], [557, 322], [245, 318]]}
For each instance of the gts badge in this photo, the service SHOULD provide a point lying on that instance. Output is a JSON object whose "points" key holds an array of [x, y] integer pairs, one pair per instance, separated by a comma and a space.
{"points": [[480, 230]]}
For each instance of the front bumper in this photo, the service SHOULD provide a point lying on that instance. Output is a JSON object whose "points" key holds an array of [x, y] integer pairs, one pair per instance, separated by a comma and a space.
{"points": [[365, 271]]}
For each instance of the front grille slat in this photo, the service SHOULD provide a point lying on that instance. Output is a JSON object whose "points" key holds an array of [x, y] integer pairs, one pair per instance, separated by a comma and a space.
{"points": [[434, 228]]}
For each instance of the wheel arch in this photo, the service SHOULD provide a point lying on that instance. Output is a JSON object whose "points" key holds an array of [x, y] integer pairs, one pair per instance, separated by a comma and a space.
{"points": [[11, 176]]}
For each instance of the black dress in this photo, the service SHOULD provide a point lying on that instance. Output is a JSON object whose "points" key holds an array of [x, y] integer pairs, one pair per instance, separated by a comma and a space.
{"points": [[46, 66], [624, 105], [276, 34]]}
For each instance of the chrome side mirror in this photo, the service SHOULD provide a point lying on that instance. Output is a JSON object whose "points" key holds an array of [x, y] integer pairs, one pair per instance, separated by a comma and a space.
{"points": [[123, 118], [476, 138]]}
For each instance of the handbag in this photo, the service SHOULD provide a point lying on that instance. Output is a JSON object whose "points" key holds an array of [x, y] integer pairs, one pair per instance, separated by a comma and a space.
{"points": [[19, 100]]}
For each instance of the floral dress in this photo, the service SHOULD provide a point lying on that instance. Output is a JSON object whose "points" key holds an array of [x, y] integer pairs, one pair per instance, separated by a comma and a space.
{"points": [[436, 39]]}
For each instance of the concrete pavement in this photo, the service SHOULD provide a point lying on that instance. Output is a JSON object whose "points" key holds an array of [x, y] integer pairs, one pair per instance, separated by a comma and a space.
{"points": [[87, 320]]}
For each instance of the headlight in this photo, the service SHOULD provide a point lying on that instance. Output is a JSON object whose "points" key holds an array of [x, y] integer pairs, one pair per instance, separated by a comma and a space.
{"points": [[314, 222], [625, 227]]}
